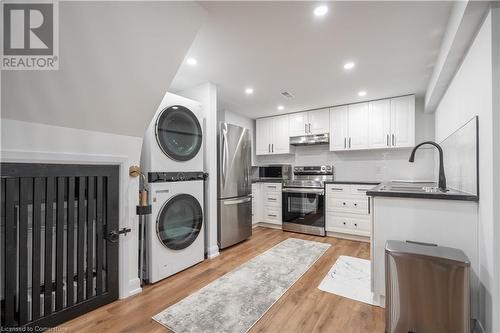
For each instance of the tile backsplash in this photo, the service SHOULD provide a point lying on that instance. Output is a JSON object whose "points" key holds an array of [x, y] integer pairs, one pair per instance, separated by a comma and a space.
{"points": [[460, 152], [370, 165]]}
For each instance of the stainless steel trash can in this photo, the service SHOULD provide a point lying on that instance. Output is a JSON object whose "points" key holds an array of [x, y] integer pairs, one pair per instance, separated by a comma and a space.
{"points": [[427, 288]]}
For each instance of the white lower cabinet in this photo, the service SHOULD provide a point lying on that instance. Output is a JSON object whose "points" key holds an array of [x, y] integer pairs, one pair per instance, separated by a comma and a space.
{"points": [[348, 209], [256, 203], [266, 205], [272, 203]]}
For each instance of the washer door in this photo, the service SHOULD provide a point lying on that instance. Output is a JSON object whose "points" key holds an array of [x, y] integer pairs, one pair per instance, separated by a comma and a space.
{"points": [[179, 222], [178, 133]]}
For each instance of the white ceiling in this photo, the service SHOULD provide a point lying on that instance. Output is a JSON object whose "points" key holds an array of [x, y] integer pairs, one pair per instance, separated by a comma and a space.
{"points": [[117, 59], [281, 46]]}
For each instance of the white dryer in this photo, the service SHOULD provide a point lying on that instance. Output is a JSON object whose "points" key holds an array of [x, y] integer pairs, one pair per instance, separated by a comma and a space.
{"points": [[174, 139], [175, 228]]}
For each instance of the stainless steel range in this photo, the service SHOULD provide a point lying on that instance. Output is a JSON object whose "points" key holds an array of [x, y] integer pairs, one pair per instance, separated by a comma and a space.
{"points": [[304, 199]]}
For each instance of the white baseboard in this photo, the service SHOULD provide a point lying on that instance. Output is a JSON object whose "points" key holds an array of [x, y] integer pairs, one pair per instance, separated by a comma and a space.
{"points": [[347, 236], [212, 252], [134, 287]]}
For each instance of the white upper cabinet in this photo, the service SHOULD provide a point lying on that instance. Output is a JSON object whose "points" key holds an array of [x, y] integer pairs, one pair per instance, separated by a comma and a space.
{"points": [[263, 128], [381, 124], [298, 123], [358, 126], [319, 121], [403, 121], [338, 128], [379, 119], [387, 123], [281, 137], [310, 122], [272, 136]]}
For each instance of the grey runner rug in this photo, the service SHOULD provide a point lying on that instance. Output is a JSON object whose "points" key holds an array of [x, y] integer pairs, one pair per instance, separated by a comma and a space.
{"points": [[237, 300]]}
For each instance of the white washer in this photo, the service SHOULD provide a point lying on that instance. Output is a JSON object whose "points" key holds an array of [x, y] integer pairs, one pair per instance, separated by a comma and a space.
{"points": [[175, 227], [174, 139]]}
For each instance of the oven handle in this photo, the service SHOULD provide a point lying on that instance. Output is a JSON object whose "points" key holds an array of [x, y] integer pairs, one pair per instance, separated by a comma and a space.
{"points": [[304, 190]]}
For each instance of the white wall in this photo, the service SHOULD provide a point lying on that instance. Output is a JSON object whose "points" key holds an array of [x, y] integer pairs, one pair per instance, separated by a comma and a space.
{"points": [[30, 142], [469, 94], [116, 60], [206, 94], [371, 165]]}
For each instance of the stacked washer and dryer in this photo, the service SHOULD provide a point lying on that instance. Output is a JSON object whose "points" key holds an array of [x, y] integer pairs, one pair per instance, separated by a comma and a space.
{"points": [[172, 159]]}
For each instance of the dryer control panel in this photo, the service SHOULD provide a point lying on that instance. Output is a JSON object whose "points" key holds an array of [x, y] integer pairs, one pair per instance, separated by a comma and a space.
{"points": [[161, 177]]}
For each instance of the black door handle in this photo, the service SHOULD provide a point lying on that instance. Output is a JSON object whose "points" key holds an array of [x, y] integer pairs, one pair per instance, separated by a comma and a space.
{"points": [[114, 235]]}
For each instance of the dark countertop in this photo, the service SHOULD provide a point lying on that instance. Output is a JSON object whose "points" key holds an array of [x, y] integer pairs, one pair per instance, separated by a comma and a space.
{"points": [[274, 181], [353, 182], [451, 194]]}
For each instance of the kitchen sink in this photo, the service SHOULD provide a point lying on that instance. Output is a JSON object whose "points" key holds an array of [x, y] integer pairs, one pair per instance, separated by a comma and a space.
{"points": [[410, 188]]}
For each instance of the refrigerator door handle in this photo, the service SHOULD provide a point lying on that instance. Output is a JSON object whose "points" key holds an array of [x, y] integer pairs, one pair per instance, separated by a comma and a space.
{"points": [[237, 201], [225, 152]]}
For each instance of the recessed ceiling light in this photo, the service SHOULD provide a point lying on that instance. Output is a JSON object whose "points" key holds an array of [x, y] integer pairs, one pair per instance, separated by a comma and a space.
{"points": [[320, 10], [349, 65], [249, 91], [281, 107], [191, 61], [362, 93]]}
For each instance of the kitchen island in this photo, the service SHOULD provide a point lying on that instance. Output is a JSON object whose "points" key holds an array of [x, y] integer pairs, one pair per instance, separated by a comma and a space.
{"points": [[422, 213]]}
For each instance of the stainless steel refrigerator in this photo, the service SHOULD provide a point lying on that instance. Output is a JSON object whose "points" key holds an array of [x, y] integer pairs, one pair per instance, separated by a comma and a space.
{"points": [[234, 199]]}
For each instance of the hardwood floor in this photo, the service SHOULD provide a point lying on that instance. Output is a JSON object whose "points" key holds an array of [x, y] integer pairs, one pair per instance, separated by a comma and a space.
{"points": [[303, 308]]}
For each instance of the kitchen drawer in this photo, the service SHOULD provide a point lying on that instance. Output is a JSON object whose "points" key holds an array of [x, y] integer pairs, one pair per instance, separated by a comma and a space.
{"points": [[351, 204], [272, 199], [338, 222], [337, 188], [361, 189], [272, 215], [271, 187]]}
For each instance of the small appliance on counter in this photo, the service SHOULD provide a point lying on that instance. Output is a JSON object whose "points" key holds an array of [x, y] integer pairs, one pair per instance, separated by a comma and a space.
{"points": [[275, 172], [234, 201], [303, 208]]}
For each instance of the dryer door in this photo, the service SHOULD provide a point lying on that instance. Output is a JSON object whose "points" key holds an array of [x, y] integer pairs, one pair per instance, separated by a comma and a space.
{"points": [[178, 133], [179, 222]]}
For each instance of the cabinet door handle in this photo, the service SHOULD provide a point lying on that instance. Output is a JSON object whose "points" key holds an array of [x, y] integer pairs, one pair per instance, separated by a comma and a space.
{"points": [[343, 203], [355, 224], [336, 189], [388, 140], [349, 142], [345, 144], [271, 199], [355, 205], [271, 215], [393, 140], [309, 128], [269, 148], [344, 223], [305, 128], [272, 147]]}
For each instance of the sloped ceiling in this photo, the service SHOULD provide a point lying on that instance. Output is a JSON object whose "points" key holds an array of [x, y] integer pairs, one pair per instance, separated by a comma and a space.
{"points": [[117, 59]]}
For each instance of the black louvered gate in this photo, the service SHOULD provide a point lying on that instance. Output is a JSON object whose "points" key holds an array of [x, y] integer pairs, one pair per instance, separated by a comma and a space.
{"points": [[57, 259]]}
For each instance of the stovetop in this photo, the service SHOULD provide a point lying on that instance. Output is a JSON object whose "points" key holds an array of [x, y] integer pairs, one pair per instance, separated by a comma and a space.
{"points": [[310, 176], [304, 183]]}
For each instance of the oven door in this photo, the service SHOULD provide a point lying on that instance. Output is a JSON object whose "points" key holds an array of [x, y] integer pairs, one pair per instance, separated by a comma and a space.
{"points": [[304, 210]]}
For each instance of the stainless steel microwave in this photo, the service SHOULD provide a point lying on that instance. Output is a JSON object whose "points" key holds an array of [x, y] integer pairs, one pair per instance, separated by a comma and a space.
{"points": [[275, 171]]}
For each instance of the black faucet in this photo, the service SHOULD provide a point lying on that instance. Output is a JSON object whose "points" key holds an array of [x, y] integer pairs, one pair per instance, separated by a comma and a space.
{"points": [[442, 178]]}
